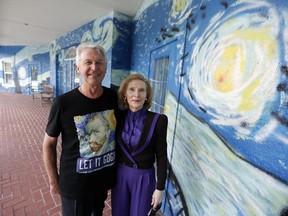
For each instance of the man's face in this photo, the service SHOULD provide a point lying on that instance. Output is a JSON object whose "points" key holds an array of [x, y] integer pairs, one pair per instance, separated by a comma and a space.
{"points": [[91, 67]]}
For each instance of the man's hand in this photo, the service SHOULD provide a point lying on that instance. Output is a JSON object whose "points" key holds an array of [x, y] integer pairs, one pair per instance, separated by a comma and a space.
{"points": [[54, 188]]}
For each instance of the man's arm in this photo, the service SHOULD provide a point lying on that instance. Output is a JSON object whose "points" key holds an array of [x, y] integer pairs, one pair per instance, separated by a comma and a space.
{"points": [[50, 162]]}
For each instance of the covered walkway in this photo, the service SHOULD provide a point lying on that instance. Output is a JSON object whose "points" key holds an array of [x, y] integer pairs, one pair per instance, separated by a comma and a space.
{"points": [[24, 189]]}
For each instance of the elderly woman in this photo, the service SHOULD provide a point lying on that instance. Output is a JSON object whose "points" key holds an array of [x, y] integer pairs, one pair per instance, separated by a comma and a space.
{"points": [[141, 138]]}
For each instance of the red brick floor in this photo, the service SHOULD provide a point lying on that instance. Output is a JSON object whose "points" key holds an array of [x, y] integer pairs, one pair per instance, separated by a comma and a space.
{"points": [[24, 187]]}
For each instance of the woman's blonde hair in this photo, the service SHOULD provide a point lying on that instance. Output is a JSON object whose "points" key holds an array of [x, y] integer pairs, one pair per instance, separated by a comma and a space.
{"points": [[123, 88]]}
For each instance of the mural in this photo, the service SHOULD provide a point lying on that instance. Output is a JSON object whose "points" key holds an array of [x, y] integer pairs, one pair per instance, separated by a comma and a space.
{"points": [[226, 100], [227, 103], [111, 32], [235, 66], [23, 62]]}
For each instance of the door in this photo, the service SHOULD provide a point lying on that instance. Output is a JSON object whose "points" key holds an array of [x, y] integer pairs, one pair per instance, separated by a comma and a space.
{"points": [[162, 75]]}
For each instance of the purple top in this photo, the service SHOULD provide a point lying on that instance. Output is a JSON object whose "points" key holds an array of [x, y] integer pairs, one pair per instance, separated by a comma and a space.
{"points": [[133, 127]]}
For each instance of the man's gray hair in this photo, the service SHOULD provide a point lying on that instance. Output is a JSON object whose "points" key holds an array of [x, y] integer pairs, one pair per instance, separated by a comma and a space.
{"points": [[86, 45]]}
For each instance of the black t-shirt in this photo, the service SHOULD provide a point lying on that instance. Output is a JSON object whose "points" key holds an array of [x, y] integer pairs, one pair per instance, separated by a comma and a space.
{"points": [[87, 127]]}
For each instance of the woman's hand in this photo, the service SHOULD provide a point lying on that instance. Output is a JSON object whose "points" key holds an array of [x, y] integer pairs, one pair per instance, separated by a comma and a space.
{"points": [[157, 198]]}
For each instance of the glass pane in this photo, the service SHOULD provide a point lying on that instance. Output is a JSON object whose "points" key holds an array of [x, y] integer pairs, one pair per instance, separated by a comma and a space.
{"points": [[76, 76], [68, 77], [159, 83], [34, 73], [8, 78], [7, 67]]}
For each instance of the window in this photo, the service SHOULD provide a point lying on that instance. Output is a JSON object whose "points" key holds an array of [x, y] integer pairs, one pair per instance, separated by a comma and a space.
{"points": [[72, 78], [159, 83], [8, 78], [34, 73]]}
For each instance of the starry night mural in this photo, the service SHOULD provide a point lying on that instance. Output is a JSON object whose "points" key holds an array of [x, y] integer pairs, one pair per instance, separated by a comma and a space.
{"points": [[227, 90], [223, 69]]}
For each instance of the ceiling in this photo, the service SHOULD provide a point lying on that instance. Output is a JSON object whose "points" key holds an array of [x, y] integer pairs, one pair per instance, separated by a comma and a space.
{"points": [[38, 22]]}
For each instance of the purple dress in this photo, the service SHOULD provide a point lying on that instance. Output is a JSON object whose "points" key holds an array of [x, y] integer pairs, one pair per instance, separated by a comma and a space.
{"points": [[133, 192]]}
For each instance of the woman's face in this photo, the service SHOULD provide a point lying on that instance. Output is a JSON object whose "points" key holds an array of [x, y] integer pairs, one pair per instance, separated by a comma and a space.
{"points": [[136, 94]]}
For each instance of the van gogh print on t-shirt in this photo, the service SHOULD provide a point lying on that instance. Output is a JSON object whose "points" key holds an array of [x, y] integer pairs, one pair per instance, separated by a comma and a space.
{"points": [[96, 134]]}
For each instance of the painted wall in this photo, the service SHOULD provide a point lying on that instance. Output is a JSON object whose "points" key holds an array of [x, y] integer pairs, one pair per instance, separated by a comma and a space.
{"points": [[227, 102], [22, 60], [226, 99], [112, 31]]}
